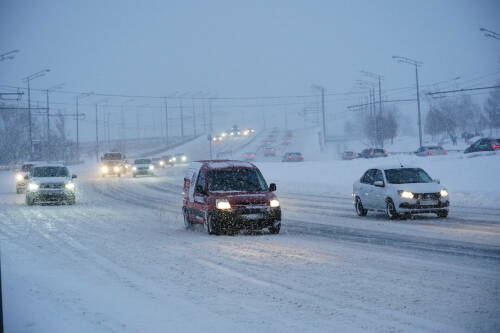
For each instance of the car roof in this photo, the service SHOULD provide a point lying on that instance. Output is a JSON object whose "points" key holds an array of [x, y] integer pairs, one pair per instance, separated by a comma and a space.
{"points": [[223, 164], [41, 165], [395, 166]]}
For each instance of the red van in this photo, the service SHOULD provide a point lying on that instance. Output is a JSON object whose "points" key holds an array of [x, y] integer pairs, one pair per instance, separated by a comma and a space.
{"points": [[227, 196]]}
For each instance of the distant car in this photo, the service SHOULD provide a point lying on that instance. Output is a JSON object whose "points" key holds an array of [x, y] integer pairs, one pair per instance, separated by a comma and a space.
{"points": [[50, 183], [24, 171], [373, 153], [168, 160], [349, 155], [158, 162], [143, 167], [269, 151], [399, 192], [484, 144], [226, 196], [430, 151], [286, 141], [179, 158], [249, 156], [293, 157]]}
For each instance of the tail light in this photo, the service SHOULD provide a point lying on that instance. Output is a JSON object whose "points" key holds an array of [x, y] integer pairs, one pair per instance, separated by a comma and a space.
{"points": [[429, 153], [445, 152], [495, 147]]}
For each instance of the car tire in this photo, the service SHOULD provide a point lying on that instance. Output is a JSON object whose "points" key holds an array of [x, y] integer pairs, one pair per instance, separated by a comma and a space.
{"points": [[211, 226], [442, 214], [390, 210], [360, 210], [275, 229], [187, 224]]}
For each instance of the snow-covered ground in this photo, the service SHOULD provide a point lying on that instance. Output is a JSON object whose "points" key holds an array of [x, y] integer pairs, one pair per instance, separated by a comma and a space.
{"points": [[121, 261]]}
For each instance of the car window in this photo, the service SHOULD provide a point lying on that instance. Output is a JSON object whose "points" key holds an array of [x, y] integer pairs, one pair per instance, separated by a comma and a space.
{"points": [[367, 177], [26, 167], [236, 180], [377, 176], [202, 181], [407, 176], [53, 171], [143, 161]]}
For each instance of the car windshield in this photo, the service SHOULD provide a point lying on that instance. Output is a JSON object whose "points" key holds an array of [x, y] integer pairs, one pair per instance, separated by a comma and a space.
{"points": [[112, 156], [407, 176], [143, 161], [236, 180], [53, 171], [26, 167]]}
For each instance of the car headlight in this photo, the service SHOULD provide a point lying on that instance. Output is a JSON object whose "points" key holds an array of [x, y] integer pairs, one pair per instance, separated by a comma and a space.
{"points": [[116, 169], [223, 204], [33, 187], [134, 168], [443, 193], [19, 177], [70, 186], [104, 169], [161, 162], [184, 158], [406, 194], [151, 167], [174, 159], [274, 203]]}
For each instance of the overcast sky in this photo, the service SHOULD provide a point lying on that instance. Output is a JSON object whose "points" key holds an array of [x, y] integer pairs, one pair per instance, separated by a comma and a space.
{"points": [[244, 48]]}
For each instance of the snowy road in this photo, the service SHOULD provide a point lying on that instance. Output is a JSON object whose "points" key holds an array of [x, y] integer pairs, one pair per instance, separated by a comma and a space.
{"points": [[121, 261]]}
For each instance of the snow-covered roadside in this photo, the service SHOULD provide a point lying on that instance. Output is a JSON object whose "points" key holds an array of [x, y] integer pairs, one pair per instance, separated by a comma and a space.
{"points": [[470, 181]]}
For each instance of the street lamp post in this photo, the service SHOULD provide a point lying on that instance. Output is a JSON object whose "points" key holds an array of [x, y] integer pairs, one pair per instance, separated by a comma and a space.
{"points": [[77, 116], [59, 86], [28, 79], [379, 139], [97, 128], [416, 64]]}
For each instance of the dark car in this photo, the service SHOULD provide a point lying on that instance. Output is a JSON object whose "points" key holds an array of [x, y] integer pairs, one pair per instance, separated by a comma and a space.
{"points": [[269, 151], [373, 152], [293, 157], [226, 196], [249, 156], [349, 155], [484, 144], [431, 151]]}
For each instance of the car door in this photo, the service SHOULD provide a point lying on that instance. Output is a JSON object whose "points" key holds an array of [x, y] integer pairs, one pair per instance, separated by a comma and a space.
{"points": [[200, 202], [365, 189], [378, 193]]}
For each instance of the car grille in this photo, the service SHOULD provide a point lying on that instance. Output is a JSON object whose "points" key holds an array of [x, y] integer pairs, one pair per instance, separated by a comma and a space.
{"points": [[427, 196], [52, 185]]}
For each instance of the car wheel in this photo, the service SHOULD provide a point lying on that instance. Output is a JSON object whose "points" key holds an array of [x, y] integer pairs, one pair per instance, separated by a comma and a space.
{"points": [[275, 229], [390, 210], [211, 227], [442, 214], [187, 223], [360, 210]]}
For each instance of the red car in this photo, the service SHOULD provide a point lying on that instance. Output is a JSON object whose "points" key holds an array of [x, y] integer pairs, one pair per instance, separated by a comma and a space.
{"points": [[227, 196]]}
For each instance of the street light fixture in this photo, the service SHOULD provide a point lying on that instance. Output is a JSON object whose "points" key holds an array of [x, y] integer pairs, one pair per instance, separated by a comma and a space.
{"points": [[489, 33], [417, 64], [8, 55], [28, 79]]}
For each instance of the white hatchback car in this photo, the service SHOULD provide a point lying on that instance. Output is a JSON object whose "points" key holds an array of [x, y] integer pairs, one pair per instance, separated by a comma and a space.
{"points": [[399, 192]]}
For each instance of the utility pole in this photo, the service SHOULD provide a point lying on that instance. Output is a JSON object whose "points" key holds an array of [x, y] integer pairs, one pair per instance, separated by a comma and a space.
{"points": [[379, 139], [322, 90], [416, 64], [48, 115], [28, 80], [194, 116], [166, 121], [77, 118], [97, 129]]}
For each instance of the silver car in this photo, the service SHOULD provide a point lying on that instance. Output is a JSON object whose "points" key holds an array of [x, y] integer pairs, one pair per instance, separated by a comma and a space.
{"points": [[50, 183]]}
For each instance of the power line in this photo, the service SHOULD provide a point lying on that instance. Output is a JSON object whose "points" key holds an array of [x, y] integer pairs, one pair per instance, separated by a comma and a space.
{"points": [[462, 90]]}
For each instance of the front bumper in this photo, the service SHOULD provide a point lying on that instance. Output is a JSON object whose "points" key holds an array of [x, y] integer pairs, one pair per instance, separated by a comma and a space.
{"points": [[51, 195], [417, 206], [143, 172], [250, 218]]}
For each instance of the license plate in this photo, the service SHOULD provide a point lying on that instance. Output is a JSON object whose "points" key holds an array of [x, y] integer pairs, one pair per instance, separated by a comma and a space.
{"points": [[428, 202], [252, 216]]}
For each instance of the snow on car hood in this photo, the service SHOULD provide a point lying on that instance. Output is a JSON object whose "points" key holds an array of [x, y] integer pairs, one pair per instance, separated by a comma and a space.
{"points": [[419, 187], [48, 180], [142, 165]]}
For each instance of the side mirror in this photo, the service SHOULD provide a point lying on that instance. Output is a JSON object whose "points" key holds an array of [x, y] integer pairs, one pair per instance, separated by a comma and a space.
{"points": [[26, 177], [272, 187], [437, 181], [199, 189], [73, 176], [378, 183]]}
